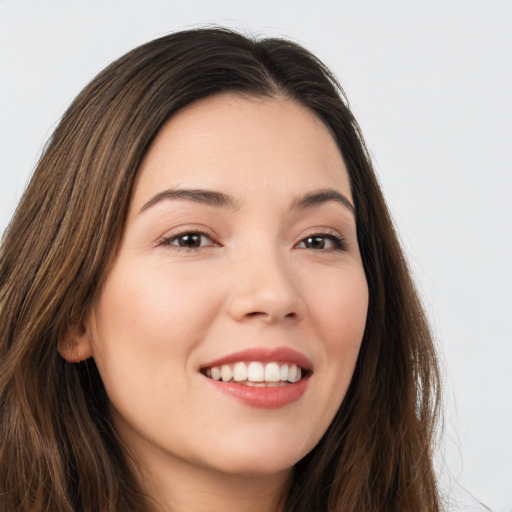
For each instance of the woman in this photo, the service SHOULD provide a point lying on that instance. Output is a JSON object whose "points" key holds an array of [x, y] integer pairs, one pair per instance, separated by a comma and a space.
{"points": [[204, 305]]}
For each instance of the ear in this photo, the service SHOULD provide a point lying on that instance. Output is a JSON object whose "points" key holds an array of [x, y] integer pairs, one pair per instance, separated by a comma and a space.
{"points": [[75, 345]]}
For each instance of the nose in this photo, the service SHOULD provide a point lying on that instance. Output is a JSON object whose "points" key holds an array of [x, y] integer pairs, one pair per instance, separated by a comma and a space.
{"points": [[265, 287]]}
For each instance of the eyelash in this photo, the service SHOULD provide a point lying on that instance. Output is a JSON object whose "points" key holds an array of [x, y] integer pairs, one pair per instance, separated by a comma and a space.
{"points": [[340, 244], [168, 240], [338, 241]]}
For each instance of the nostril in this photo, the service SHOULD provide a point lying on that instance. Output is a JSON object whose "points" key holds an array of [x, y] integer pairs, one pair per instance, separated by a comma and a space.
{"points": [[263, 314], [261, 305]]}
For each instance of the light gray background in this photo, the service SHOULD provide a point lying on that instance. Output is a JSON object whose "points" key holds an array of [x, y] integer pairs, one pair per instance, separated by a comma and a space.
{"points": [[431, 85]]}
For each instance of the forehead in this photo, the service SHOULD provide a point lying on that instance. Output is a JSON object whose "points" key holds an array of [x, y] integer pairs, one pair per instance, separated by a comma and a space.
{"points": [[243, 145]]}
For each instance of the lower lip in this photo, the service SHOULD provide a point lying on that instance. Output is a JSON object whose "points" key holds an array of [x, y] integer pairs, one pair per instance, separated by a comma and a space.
{"points": [[262, 397]]}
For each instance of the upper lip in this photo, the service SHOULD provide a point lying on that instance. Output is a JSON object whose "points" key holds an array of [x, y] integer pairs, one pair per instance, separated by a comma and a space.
{"points": [[264, 354]]}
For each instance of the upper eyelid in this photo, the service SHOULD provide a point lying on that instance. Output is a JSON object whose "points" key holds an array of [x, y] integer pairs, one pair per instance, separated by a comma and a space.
{"points": [[175, 236], [180, 231], [321, 231]]}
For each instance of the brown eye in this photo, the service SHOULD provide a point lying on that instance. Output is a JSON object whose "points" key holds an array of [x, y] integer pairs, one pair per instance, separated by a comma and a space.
{"points": [[191, 240], [314, 242], [323, 242]]}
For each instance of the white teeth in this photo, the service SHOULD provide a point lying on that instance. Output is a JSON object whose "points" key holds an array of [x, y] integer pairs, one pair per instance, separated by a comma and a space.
{"points": [[226, 373], [256, 373], [272, 373], [284, 372], [240, 372], [292, 373]]}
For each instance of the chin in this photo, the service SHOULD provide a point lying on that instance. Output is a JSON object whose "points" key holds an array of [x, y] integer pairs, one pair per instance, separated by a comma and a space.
{"points": [[260, 456]]}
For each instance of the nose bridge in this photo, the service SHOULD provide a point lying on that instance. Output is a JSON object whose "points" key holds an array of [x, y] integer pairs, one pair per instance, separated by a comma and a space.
{"points": [[264, 286]]}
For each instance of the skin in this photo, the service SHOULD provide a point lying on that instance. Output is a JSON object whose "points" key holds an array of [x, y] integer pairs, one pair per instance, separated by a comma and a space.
{"points": [[254, 281]]}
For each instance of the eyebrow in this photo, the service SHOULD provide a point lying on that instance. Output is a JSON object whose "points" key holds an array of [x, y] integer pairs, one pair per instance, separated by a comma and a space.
{"points": [[222, 200], [208, 197], [319, 197]]}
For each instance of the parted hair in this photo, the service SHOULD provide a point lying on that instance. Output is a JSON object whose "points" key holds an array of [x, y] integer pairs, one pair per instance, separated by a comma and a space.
{"points": [[58, 449]]}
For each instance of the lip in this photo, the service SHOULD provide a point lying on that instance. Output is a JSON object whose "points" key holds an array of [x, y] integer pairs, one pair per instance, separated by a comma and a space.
{"points": [[263, 397], [264, 355]]}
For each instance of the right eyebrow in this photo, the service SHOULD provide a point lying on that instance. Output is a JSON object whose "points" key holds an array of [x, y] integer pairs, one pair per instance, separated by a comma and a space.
{"points": [[208, 197]]}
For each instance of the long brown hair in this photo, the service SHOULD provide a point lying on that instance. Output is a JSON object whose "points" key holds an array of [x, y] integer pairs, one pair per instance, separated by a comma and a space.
{"points": [[58, 450]]}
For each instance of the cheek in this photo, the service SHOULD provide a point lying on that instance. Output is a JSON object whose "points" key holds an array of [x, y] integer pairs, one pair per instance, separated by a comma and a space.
{"points": [[147, 322], [339, 308], [338, 312], [161, 302]]}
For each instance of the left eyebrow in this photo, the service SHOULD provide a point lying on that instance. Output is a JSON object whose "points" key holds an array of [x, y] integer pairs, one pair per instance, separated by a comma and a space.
{"points": [[319, 197]]}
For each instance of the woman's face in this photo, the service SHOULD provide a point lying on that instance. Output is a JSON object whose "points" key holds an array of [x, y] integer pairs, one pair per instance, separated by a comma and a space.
{"points": [[239, 262]]}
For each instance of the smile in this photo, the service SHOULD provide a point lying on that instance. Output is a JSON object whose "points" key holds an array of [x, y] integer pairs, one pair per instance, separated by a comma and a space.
{"points": [[261, 377], [257, 373]]}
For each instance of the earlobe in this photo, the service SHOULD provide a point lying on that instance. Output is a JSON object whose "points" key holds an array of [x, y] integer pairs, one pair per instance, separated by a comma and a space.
{"points": [[75, 345]]}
